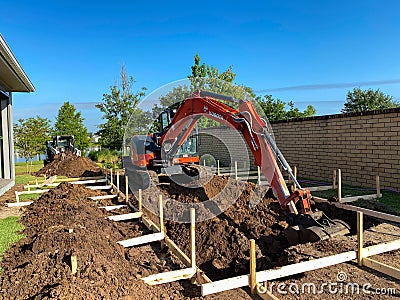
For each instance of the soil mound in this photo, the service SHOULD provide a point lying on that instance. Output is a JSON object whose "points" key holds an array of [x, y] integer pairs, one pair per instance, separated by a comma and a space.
{"points": [[70, 165], [242, 211], [38, 266]]}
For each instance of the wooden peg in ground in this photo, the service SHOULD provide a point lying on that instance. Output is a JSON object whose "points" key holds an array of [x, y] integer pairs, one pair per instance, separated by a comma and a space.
{"points": [[74, 264]]}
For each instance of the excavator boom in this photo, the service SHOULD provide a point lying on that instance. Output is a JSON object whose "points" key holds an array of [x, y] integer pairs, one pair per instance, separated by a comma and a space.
{"points": [[253, 129]]}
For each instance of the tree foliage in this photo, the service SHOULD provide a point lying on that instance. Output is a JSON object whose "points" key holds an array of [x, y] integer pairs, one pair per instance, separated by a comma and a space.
{"points": [[209, 78], [276, 109], [359, 100], [204, 71], [70, 122], [30, 137], [117, 107]]}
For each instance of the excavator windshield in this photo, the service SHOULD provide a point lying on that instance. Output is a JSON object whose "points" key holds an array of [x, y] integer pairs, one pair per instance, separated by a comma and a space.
{"points": [[189, 148]]}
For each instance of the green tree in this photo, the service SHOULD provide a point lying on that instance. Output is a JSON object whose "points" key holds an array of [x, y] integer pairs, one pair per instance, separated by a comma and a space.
{"points": [[30, 137], [69, 121], [117, 107], [359, 100], [276, 109], [207, 71]]}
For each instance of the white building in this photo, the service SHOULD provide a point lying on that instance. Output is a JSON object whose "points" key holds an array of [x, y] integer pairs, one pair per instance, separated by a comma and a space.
{"points": [[12, 79]]}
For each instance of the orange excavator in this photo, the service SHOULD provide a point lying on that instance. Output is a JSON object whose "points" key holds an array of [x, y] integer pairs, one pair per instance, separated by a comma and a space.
{"points": [[174, 148]]}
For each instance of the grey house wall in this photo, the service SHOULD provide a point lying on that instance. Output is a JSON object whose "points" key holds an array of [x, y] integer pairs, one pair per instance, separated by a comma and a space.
{"points": [[7, 170]]}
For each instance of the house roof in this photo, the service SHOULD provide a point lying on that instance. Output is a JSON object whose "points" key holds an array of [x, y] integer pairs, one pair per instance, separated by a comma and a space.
{"points": [[12, 77]]}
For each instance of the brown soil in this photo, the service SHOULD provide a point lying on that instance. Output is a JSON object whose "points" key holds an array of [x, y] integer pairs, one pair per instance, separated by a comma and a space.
{"points": [[70, 165], [38, 266], [222, 242]]}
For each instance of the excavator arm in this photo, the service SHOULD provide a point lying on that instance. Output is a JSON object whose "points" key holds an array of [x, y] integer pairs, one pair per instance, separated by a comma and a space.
{"points": [[255, 132]]}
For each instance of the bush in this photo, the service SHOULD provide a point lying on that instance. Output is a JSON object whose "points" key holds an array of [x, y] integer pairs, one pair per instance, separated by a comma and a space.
{"points": [[109, 158]]}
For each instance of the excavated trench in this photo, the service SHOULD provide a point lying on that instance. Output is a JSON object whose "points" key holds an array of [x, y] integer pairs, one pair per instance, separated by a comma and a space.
{"points": [[222, 242]]}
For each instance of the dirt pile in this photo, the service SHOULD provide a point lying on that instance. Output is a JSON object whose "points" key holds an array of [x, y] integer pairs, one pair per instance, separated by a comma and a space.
{"points": [[38, 266], [70, 165], [222, 241]]}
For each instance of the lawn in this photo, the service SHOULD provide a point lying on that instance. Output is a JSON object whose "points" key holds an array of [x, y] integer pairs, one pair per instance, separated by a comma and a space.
{"points": [[389, 198], [9, 233], [20, 167]]}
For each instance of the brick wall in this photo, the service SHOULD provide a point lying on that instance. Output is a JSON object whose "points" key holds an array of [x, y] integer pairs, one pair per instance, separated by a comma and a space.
{"points": [[363, 145]]}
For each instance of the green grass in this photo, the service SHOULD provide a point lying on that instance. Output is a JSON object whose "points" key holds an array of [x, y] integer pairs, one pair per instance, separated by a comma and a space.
{"points": [[9, 233], [24, 178], [20, 168], [391, 199]]}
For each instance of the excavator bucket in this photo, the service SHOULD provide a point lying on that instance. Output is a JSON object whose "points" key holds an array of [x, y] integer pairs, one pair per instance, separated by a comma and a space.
{"points": [[314, 227]]}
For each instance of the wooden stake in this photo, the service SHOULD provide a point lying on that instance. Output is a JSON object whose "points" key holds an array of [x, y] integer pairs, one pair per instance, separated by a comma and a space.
{"points": [[258, 175], [192, 238], [36, 181], [252, 278], [218, 171], [339, 185], [161, 211], [204, 162], [140, 200], [74, 264], [160, 205], [236, 170], [111, 179], [17, 197], [126, 189], [378, 187], [117, 181], [29, 188], [360, 238], [334, 179]]}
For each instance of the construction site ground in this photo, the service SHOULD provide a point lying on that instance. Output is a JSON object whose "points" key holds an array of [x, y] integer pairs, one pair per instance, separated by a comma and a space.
{"points": [[38, 266]]}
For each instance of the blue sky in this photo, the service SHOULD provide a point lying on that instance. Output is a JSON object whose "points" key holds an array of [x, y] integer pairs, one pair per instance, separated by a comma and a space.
{"points": [[73, 50]]}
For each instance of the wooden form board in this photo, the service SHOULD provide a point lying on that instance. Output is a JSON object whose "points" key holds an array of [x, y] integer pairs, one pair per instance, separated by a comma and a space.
{"points": [[19, 204], [381, 267], [355, 198], [89, 181], [170, 276], [72, 179], [241, 281], [113, 207], [31, 186], [17, 194], [32, 192], [319, 188], [103, 197], [144, 239], [369, 212], [200, 275], [99, 187], [125, 217]]}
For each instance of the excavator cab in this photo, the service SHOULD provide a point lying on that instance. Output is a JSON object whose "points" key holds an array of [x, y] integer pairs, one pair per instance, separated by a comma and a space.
{"points": [[60, 144]]}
